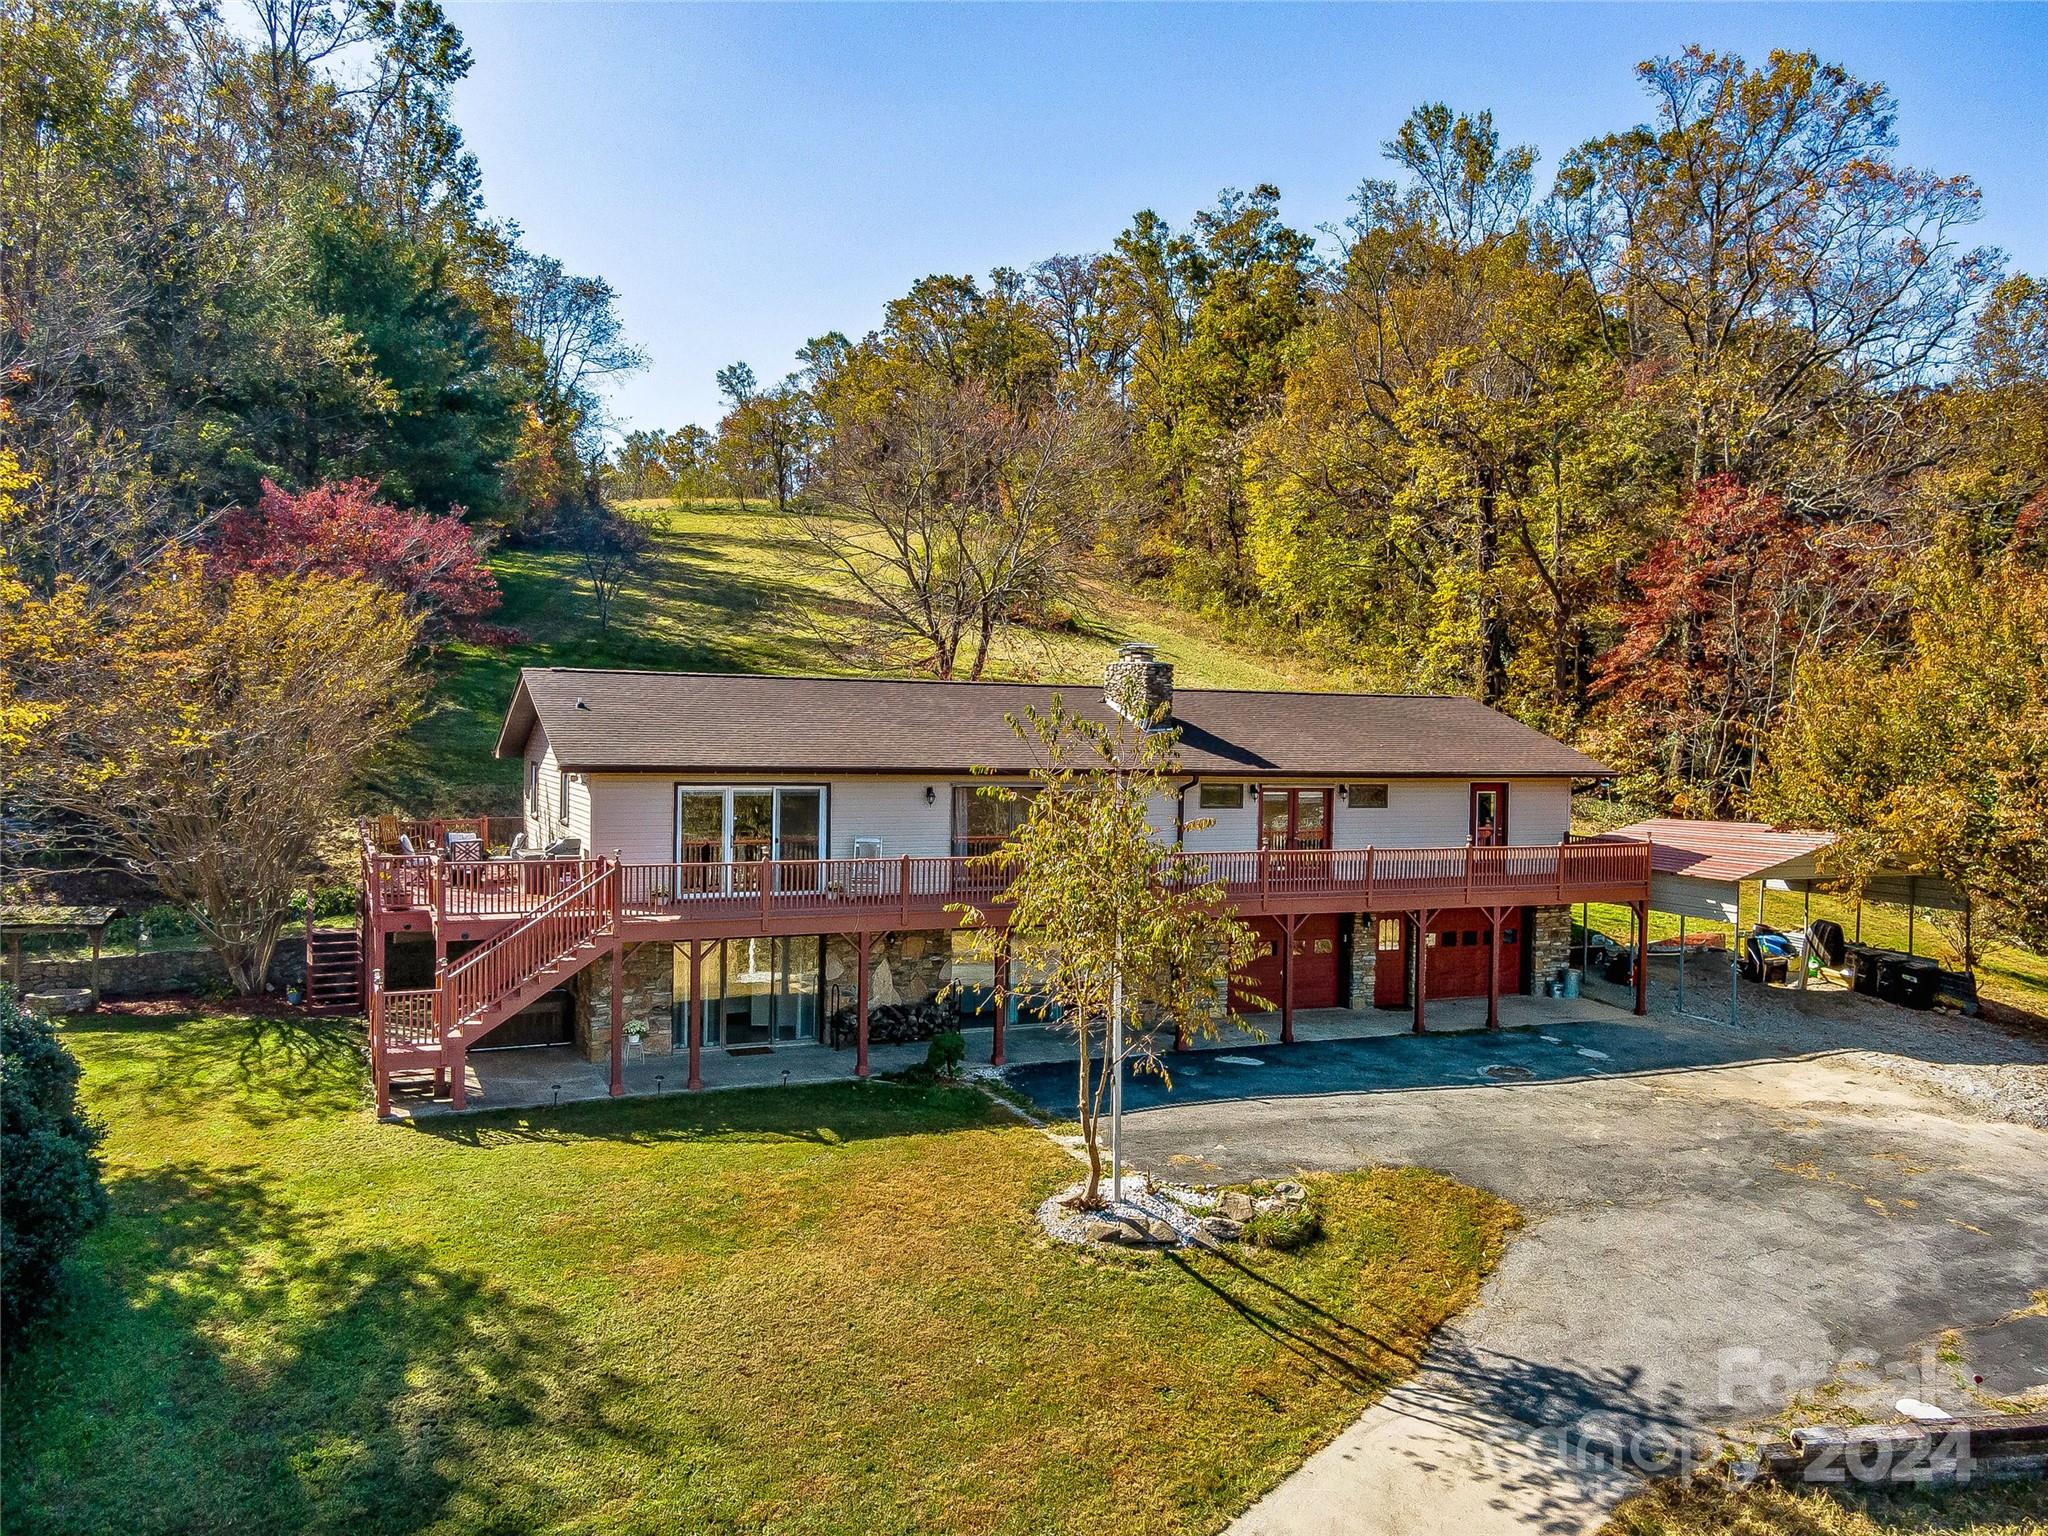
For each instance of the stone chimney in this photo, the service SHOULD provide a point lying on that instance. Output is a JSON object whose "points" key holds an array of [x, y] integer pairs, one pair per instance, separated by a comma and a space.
{"points": [[1137, 683]]}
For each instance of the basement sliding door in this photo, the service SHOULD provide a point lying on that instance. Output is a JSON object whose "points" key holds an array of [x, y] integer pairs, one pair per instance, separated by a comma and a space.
{"points": [[760, 991]]}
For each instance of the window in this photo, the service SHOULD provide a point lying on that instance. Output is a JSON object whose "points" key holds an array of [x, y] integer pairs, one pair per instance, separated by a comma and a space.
{"points": [[982, 821], [1390, 933], [1366, 797], [562, 799], [532, 787], [1221, 797]]}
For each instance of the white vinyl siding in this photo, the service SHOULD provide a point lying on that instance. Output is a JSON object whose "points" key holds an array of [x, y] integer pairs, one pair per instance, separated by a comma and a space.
{"points": [[634, 816], [559, 805], [634, 813]]}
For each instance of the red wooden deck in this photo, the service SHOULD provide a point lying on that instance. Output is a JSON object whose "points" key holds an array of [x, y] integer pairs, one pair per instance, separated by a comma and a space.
{"points": [[540, 920]]}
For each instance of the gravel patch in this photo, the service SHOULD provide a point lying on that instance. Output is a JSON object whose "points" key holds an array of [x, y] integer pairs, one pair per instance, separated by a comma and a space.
{"points": [[1141, 1206], [1995, 1070], [1998, 1092]]}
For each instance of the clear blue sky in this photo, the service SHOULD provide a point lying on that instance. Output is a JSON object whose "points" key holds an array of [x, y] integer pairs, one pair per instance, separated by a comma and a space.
{"points": [[748, 176]]}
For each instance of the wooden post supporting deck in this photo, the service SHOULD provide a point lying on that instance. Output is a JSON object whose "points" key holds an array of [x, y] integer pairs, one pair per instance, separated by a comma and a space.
{"points": [[1642, 910], [1495, 916], [1288, 928], [441, 1082], [1421, 919], [696, 1020], [1002, 998], [618, 1088], [860, 1039]]}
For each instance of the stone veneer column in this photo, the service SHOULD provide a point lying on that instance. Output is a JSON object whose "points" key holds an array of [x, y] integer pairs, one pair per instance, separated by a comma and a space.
{"points": [[650, 997], [1550, 943], [1365, 955]]}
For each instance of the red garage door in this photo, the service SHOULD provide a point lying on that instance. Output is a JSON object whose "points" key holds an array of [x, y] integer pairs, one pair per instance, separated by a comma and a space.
{"points": [[1317, 979]]}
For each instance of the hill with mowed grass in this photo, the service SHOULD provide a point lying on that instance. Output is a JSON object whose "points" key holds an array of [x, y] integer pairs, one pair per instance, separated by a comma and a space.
{"points": [[727, 588]]}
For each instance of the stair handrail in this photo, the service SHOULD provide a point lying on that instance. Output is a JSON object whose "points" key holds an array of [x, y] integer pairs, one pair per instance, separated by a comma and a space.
{"points": [[455, 981]]}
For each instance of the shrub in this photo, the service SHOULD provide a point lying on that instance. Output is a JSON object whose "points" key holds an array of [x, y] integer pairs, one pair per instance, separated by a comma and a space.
{"points": [[1284, 1230], [344, 528], [50, 1193], [944, 1057]]}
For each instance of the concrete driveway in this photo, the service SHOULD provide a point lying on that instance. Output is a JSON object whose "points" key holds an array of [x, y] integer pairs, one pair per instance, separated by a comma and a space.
{"points": [[1719, 1221]]}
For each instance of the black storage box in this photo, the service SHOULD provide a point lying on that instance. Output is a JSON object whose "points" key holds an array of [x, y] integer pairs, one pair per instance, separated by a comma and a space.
{"points": [[1911, 981], [1861, 961]]}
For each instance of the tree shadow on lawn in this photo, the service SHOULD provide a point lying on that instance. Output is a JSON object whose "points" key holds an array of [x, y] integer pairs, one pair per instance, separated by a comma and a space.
{"points": [[822, 1114], [1357, 1358], [232, 1366], [262, 1069]]}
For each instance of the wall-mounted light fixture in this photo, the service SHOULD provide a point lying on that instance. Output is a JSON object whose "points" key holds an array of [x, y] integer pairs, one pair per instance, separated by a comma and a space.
{"points": [[931, 796]]}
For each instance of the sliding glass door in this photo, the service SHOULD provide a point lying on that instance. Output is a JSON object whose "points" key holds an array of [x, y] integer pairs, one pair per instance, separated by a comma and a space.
{"points": [[726, 829], [758, 991]]}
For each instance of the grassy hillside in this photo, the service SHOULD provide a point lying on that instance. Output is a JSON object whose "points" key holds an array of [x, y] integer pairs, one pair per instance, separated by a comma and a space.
{"points": [[726, 589]]}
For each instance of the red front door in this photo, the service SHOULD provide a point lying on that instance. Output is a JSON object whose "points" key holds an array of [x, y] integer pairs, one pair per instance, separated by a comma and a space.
{"points": [[1316, 973], [1390, 962], [1489, 814]]}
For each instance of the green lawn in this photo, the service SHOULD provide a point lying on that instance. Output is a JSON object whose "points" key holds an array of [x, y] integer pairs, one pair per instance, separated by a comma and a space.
{"points": [[1709, 1507], [727, 590], [793, 1311], [2014, 977]]}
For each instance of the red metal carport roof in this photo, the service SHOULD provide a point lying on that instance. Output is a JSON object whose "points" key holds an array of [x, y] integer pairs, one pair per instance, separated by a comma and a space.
{"points": [[1727, 850]]}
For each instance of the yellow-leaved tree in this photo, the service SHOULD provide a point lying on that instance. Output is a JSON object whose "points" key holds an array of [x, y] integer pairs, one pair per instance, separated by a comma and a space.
{"points": [[203, 733], [1127, 939], [1939, 762]]}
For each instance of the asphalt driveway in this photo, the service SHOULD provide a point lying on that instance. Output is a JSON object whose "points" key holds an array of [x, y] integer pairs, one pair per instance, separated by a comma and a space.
{"points": [[1719, 1221]]}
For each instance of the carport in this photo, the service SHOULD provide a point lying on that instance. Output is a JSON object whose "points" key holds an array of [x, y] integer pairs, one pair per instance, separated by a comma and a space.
{"points": [[1698, 869]]}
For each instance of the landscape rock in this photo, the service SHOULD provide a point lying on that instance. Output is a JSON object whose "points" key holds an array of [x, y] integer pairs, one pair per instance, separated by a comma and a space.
{"points": [[59, 1000], [1236, 1205], [1100, 1229], [1221, 1228]]}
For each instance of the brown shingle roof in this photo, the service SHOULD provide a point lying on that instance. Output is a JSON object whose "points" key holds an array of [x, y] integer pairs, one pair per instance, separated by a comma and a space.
{"points": [[695, 722]]}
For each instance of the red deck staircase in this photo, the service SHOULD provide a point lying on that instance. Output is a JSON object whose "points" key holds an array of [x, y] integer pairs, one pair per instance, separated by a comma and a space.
{"points": [[334, 970], [476, 992]]}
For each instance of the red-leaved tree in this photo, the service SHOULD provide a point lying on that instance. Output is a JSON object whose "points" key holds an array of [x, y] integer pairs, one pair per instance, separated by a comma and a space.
{"points": [[1726, 606], [344, 528]]}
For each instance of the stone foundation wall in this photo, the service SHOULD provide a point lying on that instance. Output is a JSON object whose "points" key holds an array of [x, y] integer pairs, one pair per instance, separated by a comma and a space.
{"points": [[1550, 941], [158, 972], [648, 972], [902, 968]]}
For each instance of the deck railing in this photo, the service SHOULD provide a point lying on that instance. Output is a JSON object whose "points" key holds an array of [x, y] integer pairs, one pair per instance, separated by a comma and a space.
{"points": [[551, 931], [877, 890], [924, 886]]}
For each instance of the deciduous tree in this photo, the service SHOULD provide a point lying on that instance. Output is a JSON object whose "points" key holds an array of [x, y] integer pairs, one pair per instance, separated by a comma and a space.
{"points": [[347, 529], [206, 733], [951, 511], [1132, 943], [1937, 762]]}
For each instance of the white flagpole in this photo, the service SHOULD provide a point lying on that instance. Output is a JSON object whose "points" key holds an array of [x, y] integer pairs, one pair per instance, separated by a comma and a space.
{"points": [[1116, 1082]]}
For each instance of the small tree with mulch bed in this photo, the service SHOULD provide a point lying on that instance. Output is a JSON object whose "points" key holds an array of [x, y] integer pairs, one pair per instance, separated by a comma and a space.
{"points": [[1127, 940]]}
